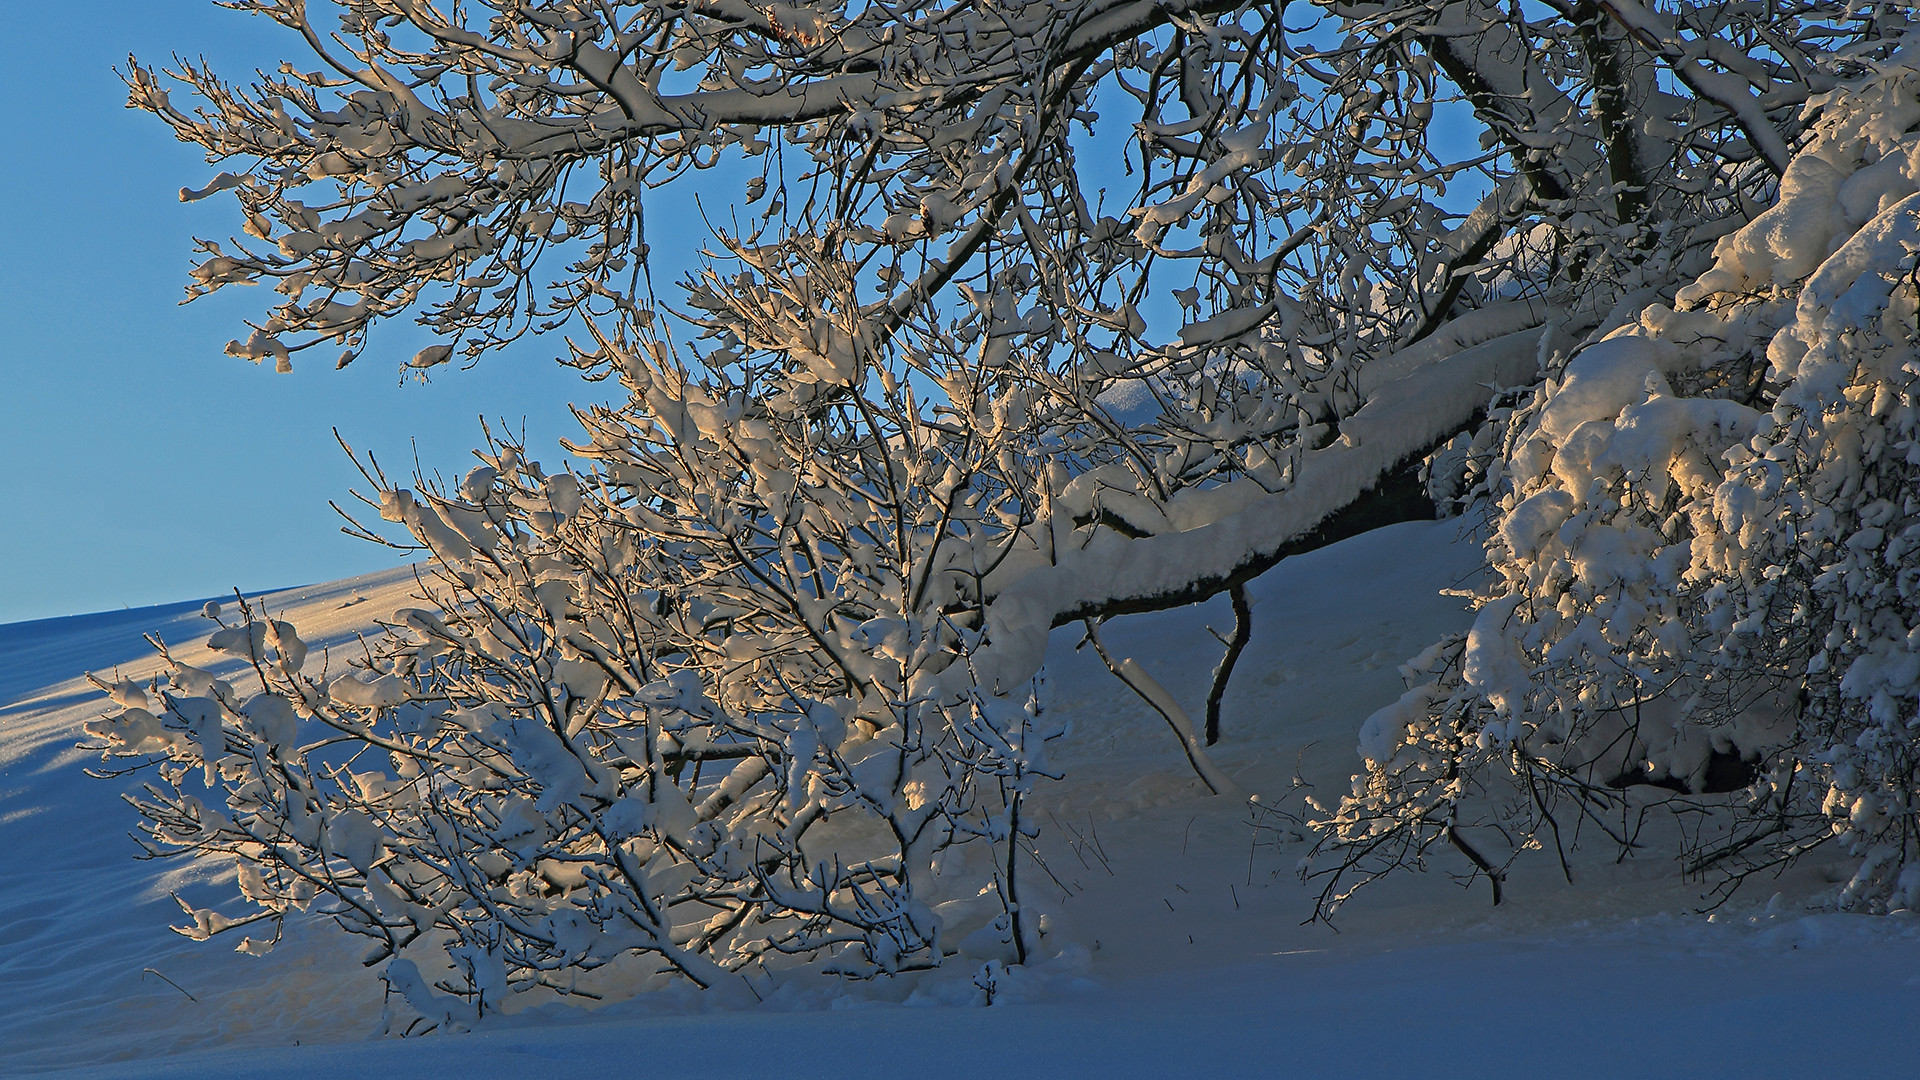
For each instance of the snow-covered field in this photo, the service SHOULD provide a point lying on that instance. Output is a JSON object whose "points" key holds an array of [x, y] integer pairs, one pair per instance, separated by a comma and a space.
{"points": [[1176, 947]]}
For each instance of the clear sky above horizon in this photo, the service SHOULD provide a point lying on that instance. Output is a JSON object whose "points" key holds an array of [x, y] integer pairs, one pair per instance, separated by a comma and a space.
{"points": [[146, 466]]}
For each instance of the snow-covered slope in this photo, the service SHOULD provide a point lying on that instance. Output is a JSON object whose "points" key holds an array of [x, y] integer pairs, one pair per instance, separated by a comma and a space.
{"points": [[85, 953], [1176, 942]]}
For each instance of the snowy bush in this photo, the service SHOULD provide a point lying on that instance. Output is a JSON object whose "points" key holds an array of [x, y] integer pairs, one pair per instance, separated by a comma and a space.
{"points": [[756, 682], [613, 741], [1704, 526]]}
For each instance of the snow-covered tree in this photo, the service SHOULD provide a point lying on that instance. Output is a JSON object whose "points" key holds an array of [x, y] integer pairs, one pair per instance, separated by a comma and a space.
{"points": [[1704, 525], [759, 681]]}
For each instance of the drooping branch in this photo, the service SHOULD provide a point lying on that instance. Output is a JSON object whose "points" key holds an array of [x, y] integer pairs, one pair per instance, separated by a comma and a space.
{"points": [[1149, 690], [1242, 631]]}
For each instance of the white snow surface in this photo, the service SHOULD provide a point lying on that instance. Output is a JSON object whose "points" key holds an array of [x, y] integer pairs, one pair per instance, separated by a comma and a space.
{"points": [[1179, 951]]}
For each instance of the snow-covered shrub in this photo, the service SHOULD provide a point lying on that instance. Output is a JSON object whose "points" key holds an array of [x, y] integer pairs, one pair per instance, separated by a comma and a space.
{"points": [[1705, 528], [682, 712]]}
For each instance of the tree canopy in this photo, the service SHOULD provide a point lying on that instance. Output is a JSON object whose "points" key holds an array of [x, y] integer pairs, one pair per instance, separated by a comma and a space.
{"points": [[759, 683]]}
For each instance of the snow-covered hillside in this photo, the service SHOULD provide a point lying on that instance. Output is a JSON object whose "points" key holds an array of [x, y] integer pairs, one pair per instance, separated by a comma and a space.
{"points": [[1175, 941]]}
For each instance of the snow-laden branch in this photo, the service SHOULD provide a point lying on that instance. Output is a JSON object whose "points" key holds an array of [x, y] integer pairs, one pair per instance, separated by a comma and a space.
{"points": [[1105, 573]]}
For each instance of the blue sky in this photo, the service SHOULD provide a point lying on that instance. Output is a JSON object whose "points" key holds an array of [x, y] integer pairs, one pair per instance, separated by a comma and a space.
{"points": [[142, 464]]}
